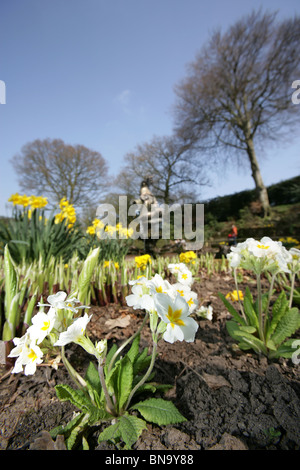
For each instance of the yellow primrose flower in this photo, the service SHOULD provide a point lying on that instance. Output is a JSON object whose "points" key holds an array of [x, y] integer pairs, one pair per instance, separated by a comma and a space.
{"points": [[106, 264], [142, 261], [234, 295], [187, 257], [117, 266]]}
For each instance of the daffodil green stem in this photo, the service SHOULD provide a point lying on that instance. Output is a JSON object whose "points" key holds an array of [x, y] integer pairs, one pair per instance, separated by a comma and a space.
{"points": [[123, 345], [143, 380]]}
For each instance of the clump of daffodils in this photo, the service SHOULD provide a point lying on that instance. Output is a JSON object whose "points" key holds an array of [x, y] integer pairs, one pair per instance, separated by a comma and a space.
{"points": [[101, 230], [58, 327], [67, 212], [171, 304], [32, 202]]}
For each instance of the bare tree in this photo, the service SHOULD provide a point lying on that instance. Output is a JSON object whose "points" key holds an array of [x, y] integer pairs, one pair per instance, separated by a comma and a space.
{"points": [[56, 170], [237, 92], [171, 167]]}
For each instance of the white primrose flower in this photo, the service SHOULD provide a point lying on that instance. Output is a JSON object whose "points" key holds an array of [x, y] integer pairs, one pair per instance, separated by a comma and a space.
{"points": [[185, 278], [265, 254], [175, 268], [140, 298], [42, 324], [28, 353], [141, 280], [175, 314], [60, 301], [75, 332], [205, 312], [294, 263], [185, 291], [158, 285]]}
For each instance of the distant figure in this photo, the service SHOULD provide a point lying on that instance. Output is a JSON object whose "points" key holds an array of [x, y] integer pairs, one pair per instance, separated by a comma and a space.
{"points": [[232, 237], [146, 195]]}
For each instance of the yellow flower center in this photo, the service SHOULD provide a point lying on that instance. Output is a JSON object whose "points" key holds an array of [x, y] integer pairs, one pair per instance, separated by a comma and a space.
{"points": [[174, 317], [32, 355], [263, 247], [46, 325], [184, 276], [159, 289]]}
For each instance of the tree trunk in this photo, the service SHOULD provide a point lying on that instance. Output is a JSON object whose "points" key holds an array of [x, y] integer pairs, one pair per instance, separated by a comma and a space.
{"points": [[261, 190]]}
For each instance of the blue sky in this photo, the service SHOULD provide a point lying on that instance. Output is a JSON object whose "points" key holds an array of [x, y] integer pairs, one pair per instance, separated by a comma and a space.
{"points": [[101, 73]]}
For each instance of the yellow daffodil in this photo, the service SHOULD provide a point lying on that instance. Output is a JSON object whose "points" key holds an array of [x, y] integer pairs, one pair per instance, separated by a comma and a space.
{"points": [[91, 230]]}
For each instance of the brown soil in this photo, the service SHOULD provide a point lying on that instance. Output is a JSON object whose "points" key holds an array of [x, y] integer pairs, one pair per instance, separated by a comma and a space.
{"points": [[232, 400]]}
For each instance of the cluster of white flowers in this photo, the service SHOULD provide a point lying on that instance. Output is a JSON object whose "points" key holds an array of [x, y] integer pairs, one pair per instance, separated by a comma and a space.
{"points": [[263, 255], [205, 312], [173, 303], [29, 348]]}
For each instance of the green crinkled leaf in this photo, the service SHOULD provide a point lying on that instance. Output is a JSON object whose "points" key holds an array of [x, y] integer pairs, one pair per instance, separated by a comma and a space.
{"points": [[66, 430], [232, 310], [109, 356], [232, 327], [279, 309], [287, 326], [246, 340], [254, 342], [249, 308], [286, 350], [134, 349], [141, 362], [76, 397], [92, 377], [111, 433], [124, 381], [131, 427], [71, 431], [159, 411], [81, 401], [248, 329]]}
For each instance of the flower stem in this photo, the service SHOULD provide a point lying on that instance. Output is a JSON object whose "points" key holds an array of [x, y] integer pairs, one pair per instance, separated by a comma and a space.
{"points": [[260, 312], [110, 406], [269, 298], [143, 380], [292, 290], [80, 382], [238, 296], [123, 345]]}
